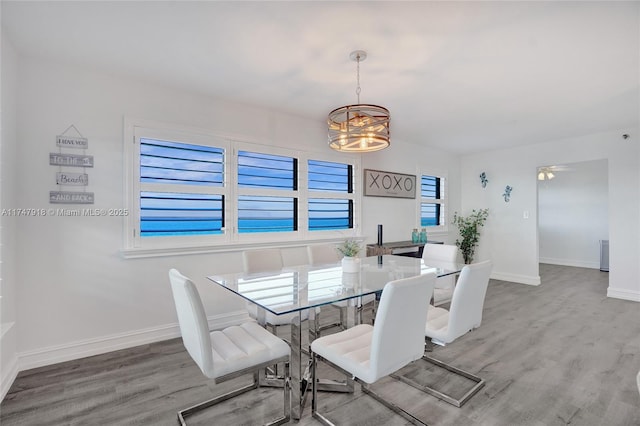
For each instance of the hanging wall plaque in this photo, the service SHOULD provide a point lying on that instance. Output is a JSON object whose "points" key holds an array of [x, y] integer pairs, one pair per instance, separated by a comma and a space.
{"points": [[64, 197], [73, 179], [387, 184], [70, 160], [72, 142]]}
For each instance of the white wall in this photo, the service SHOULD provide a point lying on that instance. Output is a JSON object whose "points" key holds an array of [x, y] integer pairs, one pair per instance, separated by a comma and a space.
{"points": [[512, 241], [573, 214], [77, 295], [399, 216], [8, 357]]}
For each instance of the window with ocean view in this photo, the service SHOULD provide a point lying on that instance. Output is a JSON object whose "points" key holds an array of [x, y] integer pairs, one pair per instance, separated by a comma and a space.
{"points": [[331, 186], [191, 189], [259, 174], [432, 201], [166, 164]]}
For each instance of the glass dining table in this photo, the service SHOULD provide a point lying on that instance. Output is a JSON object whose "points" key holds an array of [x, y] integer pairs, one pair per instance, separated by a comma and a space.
{"points": [[297, 289]]}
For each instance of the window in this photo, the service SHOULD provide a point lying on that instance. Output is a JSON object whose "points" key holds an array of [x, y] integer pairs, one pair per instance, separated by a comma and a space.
{"points": [[330, 204], [167, 213], [174, 197], [432, 202], [188, 189], [260, 174]]}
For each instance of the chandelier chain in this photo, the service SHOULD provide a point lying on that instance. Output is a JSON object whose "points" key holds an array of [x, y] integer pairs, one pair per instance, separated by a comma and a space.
{"points": [[358, 78], [358, 128]]}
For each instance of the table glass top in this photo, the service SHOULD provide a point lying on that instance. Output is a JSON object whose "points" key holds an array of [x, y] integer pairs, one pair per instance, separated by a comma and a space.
{"points": [[302, 287]]}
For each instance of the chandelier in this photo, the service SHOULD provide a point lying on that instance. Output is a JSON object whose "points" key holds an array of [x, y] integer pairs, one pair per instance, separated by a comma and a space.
{"points": [[359, 127]]}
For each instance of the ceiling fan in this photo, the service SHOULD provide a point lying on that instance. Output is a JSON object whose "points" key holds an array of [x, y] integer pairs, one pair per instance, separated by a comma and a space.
{"points": [[548, 172]]}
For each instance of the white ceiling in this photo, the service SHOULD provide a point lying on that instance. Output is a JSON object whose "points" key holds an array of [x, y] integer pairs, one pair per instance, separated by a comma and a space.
{"points": [[460, 76]]}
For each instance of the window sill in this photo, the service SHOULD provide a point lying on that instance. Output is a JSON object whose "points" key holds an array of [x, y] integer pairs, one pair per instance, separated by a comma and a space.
{"points": [[141, 253]]}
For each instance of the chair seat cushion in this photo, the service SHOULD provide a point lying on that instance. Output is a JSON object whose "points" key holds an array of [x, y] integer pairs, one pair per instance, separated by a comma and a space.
{"points": [[238, 347], [274, 319], [437, 323], [349, 350]]}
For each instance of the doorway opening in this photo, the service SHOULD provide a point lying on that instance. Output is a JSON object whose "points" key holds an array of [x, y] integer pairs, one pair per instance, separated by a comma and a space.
{"points": [[573, 213]]}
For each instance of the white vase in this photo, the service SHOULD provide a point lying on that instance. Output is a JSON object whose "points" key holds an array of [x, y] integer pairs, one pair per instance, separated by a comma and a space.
{"points": [[350, 279], [350, 264]]}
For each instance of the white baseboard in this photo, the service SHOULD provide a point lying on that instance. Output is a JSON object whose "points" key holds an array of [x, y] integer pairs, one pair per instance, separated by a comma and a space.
{"points": [[570, 262], [516, 278], [9, 366], [89, 347], [634, 296], [9, 375]]}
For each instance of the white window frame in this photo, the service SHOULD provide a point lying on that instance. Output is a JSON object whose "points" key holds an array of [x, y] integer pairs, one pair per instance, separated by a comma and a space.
{"points": [[230, 239], [443, 201], [356, 195], [263, 192]]}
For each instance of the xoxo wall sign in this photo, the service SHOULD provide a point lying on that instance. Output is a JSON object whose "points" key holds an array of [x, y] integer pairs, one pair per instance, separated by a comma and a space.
{"points": [[387, 184]]}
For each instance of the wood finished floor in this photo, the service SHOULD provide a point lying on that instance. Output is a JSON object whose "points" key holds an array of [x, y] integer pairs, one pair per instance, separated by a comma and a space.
{"points": [[557, 354]]}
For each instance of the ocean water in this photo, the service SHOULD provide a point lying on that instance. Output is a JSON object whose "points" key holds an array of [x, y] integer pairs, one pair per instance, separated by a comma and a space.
{"points": [[157, 226]]}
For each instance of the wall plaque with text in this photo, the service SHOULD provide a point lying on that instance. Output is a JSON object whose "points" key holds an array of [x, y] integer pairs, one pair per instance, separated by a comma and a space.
{"points": [[73, 179], [70, 160], [67, 197], [72, 142], [388, 184]]}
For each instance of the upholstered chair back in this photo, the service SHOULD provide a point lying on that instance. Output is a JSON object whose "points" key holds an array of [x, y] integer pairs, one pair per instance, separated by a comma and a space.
{"points": [[398, 332], [192, 320], [322, 254], [439, 253], [262, 260], [468, 299]]}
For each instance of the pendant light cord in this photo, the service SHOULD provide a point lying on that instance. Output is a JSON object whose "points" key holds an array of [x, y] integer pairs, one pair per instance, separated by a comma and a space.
{"points": [[358, 78]]}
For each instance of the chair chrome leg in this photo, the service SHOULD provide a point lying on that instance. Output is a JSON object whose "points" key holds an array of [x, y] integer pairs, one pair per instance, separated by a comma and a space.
{"points": [[314, 393], [395, 408], [206, 404], [183, 414], [440, 395], [322, 419]]}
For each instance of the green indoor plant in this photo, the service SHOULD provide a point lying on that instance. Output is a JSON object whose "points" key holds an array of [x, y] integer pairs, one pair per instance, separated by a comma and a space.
{"points": [[349, 248], [469, 228]]}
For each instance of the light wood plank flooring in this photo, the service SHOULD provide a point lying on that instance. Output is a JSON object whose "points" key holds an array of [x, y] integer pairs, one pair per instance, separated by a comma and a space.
{"points": [[557, 354]]}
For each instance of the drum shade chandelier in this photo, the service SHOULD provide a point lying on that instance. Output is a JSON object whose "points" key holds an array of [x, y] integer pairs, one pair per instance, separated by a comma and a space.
{"points": [[359, 127]]}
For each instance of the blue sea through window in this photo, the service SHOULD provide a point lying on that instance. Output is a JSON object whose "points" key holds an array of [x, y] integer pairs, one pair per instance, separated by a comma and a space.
{"points": [[267, 213], [180, 213], [165, 213], [220, 191], [430, 189], [330, 213]]}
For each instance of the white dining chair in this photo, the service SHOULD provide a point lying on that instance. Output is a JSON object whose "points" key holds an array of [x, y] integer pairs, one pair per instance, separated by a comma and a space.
{"points": [[262, 260], [258, 261], [326, 254], [323, 254], [225, 354], [445, 326], [368, 352], [437, 255]]}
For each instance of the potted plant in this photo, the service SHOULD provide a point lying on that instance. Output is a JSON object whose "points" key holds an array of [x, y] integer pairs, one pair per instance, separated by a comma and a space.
{"points": [[350, 250], [469, 228]]}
